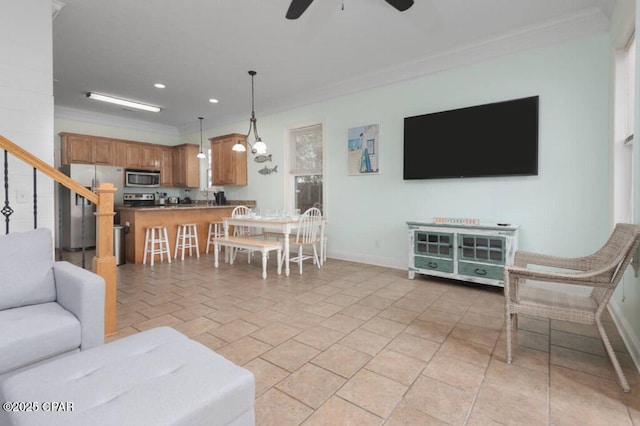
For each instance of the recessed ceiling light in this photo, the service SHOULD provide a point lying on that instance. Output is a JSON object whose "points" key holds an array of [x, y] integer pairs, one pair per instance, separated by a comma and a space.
{"points": [[159, 86], [123, 102], [213, 101]]}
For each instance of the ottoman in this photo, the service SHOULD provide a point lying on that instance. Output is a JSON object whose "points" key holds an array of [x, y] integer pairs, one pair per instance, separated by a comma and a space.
{"points": [[156, 377]]}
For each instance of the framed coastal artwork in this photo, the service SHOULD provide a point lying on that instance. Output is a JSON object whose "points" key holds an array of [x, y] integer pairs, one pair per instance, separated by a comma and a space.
{"points": [[364, 150]]}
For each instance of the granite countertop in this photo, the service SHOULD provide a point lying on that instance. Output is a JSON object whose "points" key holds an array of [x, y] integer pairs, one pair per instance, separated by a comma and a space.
{"points": [[173, 207], [192, 206]]}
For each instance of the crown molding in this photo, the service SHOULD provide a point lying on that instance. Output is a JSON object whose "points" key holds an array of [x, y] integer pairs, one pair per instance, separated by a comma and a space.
{"points": [[109, 120], [589, 22]]}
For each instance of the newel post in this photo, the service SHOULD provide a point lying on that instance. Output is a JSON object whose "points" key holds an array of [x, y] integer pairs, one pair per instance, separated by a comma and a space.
{"points": [[104, 262]]}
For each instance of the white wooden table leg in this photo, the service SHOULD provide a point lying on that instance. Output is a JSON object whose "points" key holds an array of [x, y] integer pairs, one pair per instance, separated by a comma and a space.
{"points": [[285, 256], [264, 264], [279, 258], [322, 247], [216, 249]]}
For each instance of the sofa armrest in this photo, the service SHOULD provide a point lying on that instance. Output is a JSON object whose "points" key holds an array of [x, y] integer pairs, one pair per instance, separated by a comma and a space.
{"points": [[82, 293]]}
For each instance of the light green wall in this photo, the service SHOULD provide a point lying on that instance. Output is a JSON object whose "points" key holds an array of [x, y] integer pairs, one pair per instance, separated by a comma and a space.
{"points": [[367, 214]]}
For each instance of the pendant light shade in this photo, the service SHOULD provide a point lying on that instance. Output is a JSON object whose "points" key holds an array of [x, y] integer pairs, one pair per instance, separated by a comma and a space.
{"points": [[257, 147], [201, 153]]}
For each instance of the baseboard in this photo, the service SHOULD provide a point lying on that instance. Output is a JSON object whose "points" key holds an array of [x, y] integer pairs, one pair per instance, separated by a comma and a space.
{"points": [[632, 343], [370, 260]]}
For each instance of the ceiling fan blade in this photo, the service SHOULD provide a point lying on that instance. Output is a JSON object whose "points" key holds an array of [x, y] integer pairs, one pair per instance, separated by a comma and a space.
{"points": [[297, 8], [401, 5]]}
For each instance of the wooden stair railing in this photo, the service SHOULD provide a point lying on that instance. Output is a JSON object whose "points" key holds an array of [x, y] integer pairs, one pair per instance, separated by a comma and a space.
{"points": [[104, 262]]}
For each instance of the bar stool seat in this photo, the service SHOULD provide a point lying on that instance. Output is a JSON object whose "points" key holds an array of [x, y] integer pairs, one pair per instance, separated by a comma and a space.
{"points": [[215, 230], [156, 242], [186, 238]]}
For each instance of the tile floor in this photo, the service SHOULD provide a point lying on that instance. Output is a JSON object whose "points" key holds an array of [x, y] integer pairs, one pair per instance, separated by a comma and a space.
{"points": [[355, 344]]}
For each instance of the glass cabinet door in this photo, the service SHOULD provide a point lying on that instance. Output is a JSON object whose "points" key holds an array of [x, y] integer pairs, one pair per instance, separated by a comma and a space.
{"points": [[479, 248], [433, 244]]}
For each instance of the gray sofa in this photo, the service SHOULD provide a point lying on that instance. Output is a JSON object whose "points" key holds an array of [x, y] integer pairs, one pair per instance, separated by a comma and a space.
{"points": [[47, 309]]}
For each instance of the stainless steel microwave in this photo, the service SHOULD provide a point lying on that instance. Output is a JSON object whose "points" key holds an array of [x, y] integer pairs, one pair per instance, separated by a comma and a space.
{"points": [[142, 178]]}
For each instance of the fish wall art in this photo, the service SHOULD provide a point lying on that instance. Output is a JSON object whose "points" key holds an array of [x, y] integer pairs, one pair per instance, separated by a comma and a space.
{"points": [[262, 158], [267, 171]]}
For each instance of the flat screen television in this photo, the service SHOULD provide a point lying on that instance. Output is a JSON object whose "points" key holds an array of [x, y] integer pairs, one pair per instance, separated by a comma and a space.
{"points": [[496, 139]]}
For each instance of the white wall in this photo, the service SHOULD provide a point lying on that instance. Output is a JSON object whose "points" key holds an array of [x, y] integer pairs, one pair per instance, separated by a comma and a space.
{"points": [[26, 106], [625, 305], [367, 214]]}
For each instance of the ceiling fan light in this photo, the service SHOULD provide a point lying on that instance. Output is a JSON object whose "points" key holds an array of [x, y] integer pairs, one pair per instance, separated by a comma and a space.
{"points": [[238, 147]]}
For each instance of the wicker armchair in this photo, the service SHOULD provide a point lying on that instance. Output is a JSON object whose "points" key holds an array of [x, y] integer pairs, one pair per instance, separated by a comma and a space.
{"points": [[601, 272]]}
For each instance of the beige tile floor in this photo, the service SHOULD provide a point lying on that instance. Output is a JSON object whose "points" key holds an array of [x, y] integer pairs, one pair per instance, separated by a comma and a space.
{"points": [[355, 344]]}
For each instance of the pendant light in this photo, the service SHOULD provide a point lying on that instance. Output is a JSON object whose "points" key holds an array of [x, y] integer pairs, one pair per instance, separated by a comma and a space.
{"points": [[201, 154], [258, 147]]}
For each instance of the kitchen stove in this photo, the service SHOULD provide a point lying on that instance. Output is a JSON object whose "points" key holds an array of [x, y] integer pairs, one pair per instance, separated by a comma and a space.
{"points": [[139, 200]]}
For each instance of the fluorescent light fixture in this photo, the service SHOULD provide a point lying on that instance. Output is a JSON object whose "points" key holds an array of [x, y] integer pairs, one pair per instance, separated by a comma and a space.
{"points": [[159, 86], [213, 100], [123, 102]]}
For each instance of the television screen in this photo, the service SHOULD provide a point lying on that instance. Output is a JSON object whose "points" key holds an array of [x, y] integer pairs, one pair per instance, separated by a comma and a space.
{"points": [[497, 139]]}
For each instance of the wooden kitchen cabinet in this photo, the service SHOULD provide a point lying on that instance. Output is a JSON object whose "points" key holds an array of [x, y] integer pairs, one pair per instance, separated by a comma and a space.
{"points": [[165, 157], [104, 151], [186, 166], [142, 156], [86, 149], [76, 149], [121, 152], [134, 156], [150, 157], [228, 167]]}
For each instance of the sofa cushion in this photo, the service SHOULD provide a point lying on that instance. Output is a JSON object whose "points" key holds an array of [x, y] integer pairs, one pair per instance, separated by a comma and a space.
{"points": [[156, 377], [27, 268], [33, 333]]}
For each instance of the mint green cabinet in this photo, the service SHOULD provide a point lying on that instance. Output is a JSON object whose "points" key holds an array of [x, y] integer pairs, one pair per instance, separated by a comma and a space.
{"points": [[476, 253]]}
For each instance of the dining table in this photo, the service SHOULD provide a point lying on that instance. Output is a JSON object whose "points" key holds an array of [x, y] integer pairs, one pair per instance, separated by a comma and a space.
{"points": [[282, 224]]}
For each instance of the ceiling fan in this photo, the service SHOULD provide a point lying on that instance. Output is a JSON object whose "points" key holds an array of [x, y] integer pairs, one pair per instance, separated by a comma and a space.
{"points": [[297, 7]]}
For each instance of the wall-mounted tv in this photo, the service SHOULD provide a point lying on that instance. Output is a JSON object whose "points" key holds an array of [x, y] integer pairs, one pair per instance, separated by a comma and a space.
{"points": [[497, 139]]}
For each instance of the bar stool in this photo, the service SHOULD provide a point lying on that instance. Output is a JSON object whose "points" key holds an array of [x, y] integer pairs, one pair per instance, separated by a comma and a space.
{"points": [[156, 242], [215, 230], [186, 238]]}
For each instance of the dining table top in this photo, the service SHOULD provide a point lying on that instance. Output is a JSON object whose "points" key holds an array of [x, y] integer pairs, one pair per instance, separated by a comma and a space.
{"points": [[265, 219]]}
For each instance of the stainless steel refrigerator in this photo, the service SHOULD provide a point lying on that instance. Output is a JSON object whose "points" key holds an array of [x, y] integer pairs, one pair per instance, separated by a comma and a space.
{"points": [[73, 235]]}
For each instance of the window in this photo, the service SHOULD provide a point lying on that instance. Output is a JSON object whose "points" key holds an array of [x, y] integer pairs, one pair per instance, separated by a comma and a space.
{"points": [[624, 112], [306, 167]]}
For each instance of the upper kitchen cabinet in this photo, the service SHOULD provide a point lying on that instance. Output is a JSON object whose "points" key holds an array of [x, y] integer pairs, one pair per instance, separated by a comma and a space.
{"points": [[186, 166], [87, 149], [121, 152], [142, 156], [150, 157], [104, 151], [228, 167], [165, 156]]}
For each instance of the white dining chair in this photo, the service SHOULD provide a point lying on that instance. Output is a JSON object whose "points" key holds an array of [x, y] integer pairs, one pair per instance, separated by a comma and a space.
{"points": [[307, 235], [243, 231]]}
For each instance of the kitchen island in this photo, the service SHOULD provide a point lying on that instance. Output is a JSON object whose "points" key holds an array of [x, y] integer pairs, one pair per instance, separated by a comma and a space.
{"points": [[139, 218]]}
